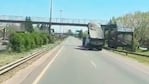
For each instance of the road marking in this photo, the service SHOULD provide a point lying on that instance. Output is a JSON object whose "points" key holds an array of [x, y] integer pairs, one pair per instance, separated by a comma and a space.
{"points": [[46, 68], [93, 63]]}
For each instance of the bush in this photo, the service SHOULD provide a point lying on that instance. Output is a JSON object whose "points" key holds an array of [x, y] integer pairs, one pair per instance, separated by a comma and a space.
{"points": [[51, 39], [33, 44], [37, 39], [17, 42], [25, 41], [44, 37]]}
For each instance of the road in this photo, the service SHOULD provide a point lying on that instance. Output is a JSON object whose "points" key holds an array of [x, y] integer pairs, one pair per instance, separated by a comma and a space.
{"points": [[74, 65]]}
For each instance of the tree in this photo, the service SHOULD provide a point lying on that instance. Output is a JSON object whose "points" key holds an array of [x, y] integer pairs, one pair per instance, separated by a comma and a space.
{"points": [[70, 32], [112, 21], [38, 26], [139, 22], [80, 34], [28, 25]]}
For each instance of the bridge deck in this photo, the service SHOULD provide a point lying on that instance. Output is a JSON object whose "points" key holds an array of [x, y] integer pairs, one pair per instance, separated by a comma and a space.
{"points": [[41, 22]]}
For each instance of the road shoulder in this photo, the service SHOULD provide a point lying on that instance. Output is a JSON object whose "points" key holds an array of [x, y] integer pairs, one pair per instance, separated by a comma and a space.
{"points": [[36, 66], [128, 61]]}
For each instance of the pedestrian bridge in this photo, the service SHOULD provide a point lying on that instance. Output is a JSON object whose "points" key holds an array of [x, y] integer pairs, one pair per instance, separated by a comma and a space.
{"points": [[44, 20]]}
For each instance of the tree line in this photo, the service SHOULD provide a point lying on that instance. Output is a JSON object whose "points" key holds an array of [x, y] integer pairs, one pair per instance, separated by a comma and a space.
{"points": [[139, 21]]}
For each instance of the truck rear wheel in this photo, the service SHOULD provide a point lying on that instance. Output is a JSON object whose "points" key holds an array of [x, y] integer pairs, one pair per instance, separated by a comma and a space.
{"points": [[83, 42]]}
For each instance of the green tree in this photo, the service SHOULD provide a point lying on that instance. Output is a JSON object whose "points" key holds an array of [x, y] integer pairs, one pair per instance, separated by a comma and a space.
{"points": [[70, 32], [112, 21], [80, 34], [38, 26], [28, 25], [139, 22]]}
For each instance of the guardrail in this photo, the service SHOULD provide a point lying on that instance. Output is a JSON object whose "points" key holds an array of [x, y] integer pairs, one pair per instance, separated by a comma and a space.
{"points": [[127, 52], [13, 65]]}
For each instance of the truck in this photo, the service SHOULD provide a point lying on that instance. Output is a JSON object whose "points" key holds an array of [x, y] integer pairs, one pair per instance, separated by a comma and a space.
{"points": [[95, 37]]}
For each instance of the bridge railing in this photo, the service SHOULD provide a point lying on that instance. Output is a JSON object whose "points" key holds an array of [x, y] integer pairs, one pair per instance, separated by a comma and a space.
{"points": [[45, 19]]}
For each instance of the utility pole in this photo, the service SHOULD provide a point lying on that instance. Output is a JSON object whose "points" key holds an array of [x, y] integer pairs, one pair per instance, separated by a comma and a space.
{"points": [[50, 21], [61, 21]]}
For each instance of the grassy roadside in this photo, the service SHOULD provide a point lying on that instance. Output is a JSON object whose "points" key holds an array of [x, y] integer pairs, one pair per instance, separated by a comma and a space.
{"points": [[8, 57], [141, 59], [144, 53]]}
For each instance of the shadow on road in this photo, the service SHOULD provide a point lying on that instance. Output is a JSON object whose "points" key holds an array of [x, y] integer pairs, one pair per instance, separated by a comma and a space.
{"points": [[86, 49]]}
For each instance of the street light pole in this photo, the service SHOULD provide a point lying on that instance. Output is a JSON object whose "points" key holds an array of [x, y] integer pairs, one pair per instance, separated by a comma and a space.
{"points": [[50, 21], [61, 21]]}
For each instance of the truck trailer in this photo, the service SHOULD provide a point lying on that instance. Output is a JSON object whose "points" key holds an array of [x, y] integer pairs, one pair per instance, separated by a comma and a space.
{"points": [[95, 37]]}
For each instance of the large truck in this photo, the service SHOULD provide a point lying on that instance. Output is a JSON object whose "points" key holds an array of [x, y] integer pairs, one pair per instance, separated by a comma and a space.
{"points": [[95, 37]]}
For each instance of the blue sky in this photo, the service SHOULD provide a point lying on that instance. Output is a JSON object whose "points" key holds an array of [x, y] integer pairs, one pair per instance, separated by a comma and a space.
{"points": [[77, 9], [84, 9]]}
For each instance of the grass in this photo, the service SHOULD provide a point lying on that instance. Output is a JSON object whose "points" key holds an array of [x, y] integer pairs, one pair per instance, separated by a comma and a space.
{"points": [[141, 59], [8, 57], [143, 52], [138, 51]]}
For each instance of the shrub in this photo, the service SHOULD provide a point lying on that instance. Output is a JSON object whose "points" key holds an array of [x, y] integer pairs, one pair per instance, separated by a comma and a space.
{"points": [[51, 39], [32, 41], [17, 42], [45, 39], [26, 41], [36, 38]]}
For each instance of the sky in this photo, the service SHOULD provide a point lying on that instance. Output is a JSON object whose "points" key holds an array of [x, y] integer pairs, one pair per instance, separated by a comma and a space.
{"points": [[76, 9]]}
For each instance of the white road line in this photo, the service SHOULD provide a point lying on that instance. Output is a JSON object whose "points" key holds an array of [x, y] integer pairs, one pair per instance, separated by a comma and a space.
{"points": [[93, 63], [46, 68]]}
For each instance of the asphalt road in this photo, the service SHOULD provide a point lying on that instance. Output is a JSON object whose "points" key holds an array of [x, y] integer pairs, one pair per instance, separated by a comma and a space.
{"points": [[74, 65]]}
